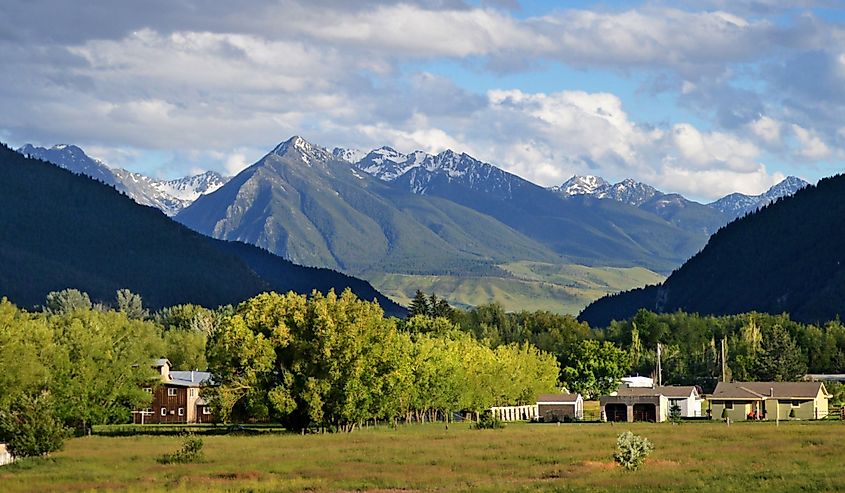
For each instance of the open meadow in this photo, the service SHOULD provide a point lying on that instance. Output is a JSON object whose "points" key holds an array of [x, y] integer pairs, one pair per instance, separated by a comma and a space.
{"points": [[699, 456]]}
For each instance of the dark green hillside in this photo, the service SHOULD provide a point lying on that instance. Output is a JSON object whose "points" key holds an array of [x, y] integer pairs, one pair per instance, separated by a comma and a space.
{"points": [[60, 230], [787, 257]]}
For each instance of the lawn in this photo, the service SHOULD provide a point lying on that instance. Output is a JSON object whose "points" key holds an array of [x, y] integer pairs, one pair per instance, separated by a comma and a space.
{"points": [[522, 457]]}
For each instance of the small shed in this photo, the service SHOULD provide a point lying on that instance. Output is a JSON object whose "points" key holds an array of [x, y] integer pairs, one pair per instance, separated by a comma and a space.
{"points": [[560, 407]]}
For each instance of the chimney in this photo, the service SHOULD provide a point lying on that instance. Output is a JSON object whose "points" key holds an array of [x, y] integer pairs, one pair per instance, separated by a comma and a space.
{"points": [[192, 376], [771, 391]]}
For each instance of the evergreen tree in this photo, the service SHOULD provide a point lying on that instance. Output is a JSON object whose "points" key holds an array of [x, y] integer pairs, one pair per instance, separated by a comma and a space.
{"points": [[419, 305], [779, 358]]}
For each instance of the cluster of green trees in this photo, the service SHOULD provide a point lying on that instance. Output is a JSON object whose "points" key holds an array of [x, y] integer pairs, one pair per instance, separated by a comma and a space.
{"points": [[758, 346], [337, 362], [75, 364]]}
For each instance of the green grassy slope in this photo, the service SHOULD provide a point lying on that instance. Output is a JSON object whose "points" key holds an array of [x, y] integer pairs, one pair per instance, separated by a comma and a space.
{"points": [[520, 285]]}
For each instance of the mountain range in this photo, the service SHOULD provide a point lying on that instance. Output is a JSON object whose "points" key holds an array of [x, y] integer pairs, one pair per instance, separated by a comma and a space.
{"points": [[63, 230], [675, 208], [462, 228], [170, 196], [786, 257]]}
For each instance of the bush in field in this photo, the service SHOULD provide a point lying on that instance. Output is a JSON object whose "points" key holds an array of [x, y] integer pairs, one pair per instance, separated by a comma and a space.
{"points": [[488, 422], [631, 450], [190, 452], [30, 427], [675, 414]]}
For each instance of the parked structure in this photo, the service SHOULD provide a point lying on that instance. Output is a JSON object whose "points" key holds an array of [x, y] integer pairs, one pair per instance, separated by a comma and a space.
{"points": [[769, 400], [176, 399], [650, 403], [560, 407]]}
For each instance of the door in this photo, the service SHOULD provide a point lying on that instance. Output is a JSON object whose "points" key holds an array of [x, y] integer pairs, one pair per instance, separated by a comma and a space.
{"points": [[645, 412]]}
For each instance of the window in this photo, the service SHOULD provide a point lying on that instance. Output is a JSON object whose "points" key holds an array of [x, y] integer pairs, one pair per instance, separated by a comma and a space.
{"points": [[193, 392], [796, 403], [164, 411], [206, 410], [148, 390], [181, 411], [729, 404], [171, 392]]}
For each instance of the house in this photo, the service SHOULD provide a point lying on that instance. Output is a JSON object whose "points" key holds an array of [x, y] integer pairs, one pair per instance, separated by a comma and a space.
{"points": [[650, 403], [176, 398], [560, 407], [769, 400]]}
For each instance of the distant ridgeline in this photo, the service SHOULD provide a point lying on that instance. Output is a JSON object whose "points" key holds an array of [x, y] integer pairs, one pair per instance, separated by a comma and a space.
{"points": [[787, 257], [60, 230]]}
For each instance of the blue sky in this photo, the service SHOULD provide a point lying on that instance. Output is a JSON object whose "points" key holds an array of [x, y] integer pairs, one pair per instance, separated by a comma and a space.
{"points": [[698, 97]]}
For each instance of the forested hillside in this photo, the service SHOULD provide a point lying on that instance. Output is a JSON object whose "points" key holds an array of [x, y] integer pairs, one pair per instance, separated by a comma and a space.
{"points": [[60, 230], [785, 258]]}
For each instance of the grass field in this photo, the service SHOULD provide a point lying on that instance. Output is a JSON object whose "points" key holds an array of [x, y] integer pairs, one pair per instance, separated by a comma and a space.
{"points": [[523, 457], [529, 286]]}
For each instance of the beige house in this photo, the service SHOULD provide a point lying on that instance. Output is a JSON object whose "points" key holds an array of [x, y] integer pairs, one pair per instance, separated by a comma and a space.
{"points": [[769, 400], [176, 398]]}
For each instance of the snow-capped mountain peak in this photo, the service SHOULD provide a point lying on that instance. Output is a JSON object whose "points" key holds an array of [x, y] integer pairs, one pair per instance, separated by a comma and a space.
{"points": [[581, 185], [737, 204], [170, 196], [306, 150]]}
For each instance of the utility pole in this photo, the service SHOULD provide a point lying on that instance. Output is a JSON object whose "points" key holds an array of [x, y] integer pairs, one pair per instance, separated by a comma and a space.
{"points": [[724, 356], [659, 368]]}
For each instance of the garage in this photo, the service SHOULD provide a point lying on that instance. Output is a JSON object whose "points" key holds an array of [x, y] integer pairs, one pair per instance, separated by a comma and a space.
{"points": [[645, 412], [616, 412]]}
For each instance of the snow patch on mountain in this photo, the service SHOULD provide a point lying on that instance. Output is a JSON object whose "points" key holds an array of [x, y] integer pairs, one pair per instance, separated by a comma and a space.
{"points": [[738, 204]]}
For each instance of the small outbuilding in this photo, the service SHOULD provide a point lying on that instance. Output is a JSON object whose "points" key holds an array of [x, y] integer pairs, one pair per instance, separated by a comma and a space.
{"points": [[560, 407], [769, 400], [650, 403]]}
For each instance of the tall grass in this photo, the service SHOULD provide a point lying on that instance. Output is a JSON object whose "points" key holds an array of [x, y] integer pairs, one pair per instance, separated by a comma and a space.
{"points": [[574, 457]]}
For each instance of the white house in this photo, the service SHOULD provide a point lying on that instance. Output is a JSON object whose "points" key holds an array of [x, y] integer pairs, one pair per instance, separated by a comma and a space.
{"points": [[637, 381], [687, 398]]}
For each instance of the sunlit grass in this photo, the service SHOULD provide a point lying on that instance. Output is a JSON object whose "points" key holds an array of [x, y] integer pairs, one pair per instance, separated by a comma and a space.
{"points": [[522, 457]]}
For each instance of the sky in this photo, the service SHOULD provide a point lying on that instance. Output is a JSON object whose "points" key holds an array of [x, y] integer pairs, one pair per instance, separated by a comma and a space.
{"points": [[702, 98]]}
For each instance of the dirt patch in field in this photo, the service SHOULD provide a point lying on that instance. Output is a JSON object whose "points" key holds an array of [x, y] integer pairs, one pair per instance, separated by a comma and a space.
{"points": [[594, 464], [232, 476]]}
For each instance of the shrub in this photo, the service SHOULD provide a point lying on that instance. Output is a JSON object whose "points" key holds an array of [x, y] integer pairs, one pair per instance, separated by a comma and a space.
{"points": [[675, 413], [191, 451], [631, 450], [792, 413], [31, 428], [488, 422]]}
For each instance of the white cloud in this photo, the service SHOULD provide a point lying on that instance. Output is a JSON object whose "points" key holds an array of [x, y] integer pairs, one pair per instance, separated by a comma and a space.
{"points": [[812, 147]]}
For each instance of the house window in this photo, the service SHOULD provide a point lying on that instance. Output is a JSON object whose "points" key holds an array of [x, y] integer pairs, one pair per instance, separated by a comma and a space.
{"points": [[148, 390], [729, 404], [181, 411], [796, 403], [206, 410], [193, 392], [164, 411], [171, 392]]}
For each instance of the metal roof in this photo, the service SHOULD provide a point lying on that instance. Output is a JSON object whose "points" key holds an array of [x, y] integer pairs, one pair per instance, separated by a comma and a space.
{"points": [[766, 390]]}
